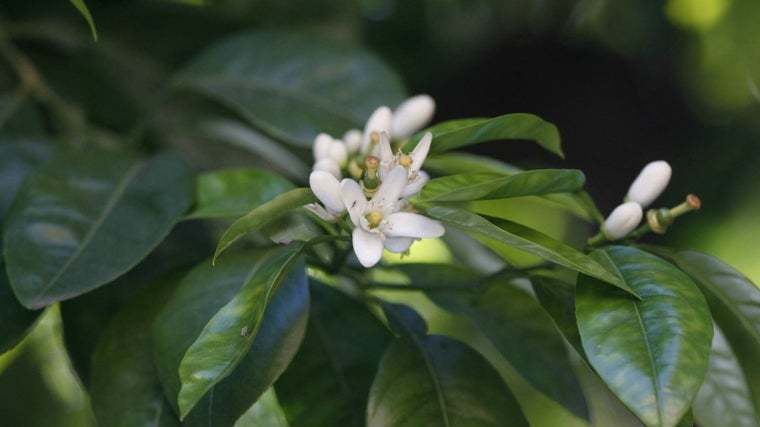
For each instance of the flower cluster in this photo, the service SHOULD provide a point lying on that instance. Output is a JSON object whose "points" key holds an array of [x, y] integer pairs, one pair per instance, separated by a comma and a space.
{"points": [[647, 186], [360, 174]]}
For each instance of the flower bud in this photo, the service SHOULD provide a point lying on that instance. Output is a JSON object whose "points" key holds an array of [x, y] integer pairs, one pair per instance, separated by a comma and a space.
{"points": [[380, 121], [328, 165], [623, 219], [339, 152], [650, 183], [321, 147], [353, 140], [411, 115]]}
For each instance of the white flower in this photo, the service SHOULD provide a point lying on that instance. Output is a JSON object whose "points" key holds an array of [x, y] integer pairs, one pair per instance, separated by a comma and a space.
{"points": [[413, 161], [411, 115], [650, 183], [623, 219], [327, 189], [329, 165], [378, 222]]}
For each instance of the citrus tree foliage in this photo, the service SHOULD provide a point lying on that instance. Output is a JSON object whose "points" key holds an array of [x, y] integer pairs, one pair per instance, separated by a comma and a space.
{"points": [[266, 272]]}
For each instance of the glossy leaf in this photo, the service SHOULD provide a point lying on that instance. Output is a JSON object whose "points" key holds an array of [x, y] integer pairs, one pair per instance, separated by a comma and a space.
{"points": [[432, 380], [73, 211], [652, 353], [201, 294], [226, 338], [328, 381], [734, 302], [481, 186], [266, 412], [234, 192], [518, 126], [85, 12], [124, 388], [525, 335], [724, 400], [526, 239], [558, 299], [306, 86], [16, 320], [264, 214]]}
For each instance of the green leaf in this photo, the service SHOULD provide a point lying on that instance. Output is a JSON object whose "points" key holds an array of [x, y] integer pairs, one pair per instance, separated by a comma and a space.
{"points": [[266, 412], [724, 400], [226, 338], [82, 8], [463, 132], [328, 382], [652, 353], [72, 212], [432, 380], [263, 215], [482, 186], [268, 152], [16, 320], [524, 334], [305, 86], [234, 192], [526, 239], [124, 386], [463, 162], [734, 302], [18, 157], [558, 299], [201, 294]]}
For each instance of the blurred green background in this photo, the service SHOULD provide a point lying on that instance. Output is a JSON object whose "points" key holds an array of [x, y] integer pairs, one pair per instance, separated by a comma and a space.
{"points": [[625, 81]]}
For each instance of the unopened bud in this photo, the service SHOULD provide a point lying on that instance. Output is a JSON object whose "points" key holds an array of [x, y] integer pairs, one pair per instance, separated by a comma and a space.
{"points": [[353, 140], [622, 220], [379, 121], [411, 115], [650, 183], [321, 147]]}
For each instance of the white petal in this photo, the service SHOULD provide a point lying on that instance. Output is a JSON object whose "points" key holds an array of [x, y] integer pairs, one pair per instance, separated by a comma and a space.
{"points": [[650, 183], [390, 189], [353, 140], [385, 153], [353, 199], [321, 147], [420, 152], [367, 246], [412, 115], [379, 121], [398, 245], [327, 189], [412, 225], [320, 211], [623, 219], [415, 186], [328, 165], [338, 152]]}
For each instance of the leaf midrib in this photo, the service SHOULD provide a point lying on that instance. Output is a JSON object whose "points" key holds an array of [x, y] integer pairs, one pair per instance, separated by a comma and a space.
{"points": [[119, 191]]}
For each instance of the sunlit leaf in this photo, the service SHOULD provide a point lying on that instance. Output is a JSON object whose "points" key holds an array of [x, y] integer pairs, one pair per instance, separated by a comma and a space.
{"points": [[526, 239], [524, 334], [234, 192], [85, 12], [226, 338], [16, 320], [328, 381], [652, 353], [124, 388], [305, 86], [266, 412], [264, 214], [201, 294], [518, 126], [724, 400], [432, 380], [482, 186], [72, 212]]}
